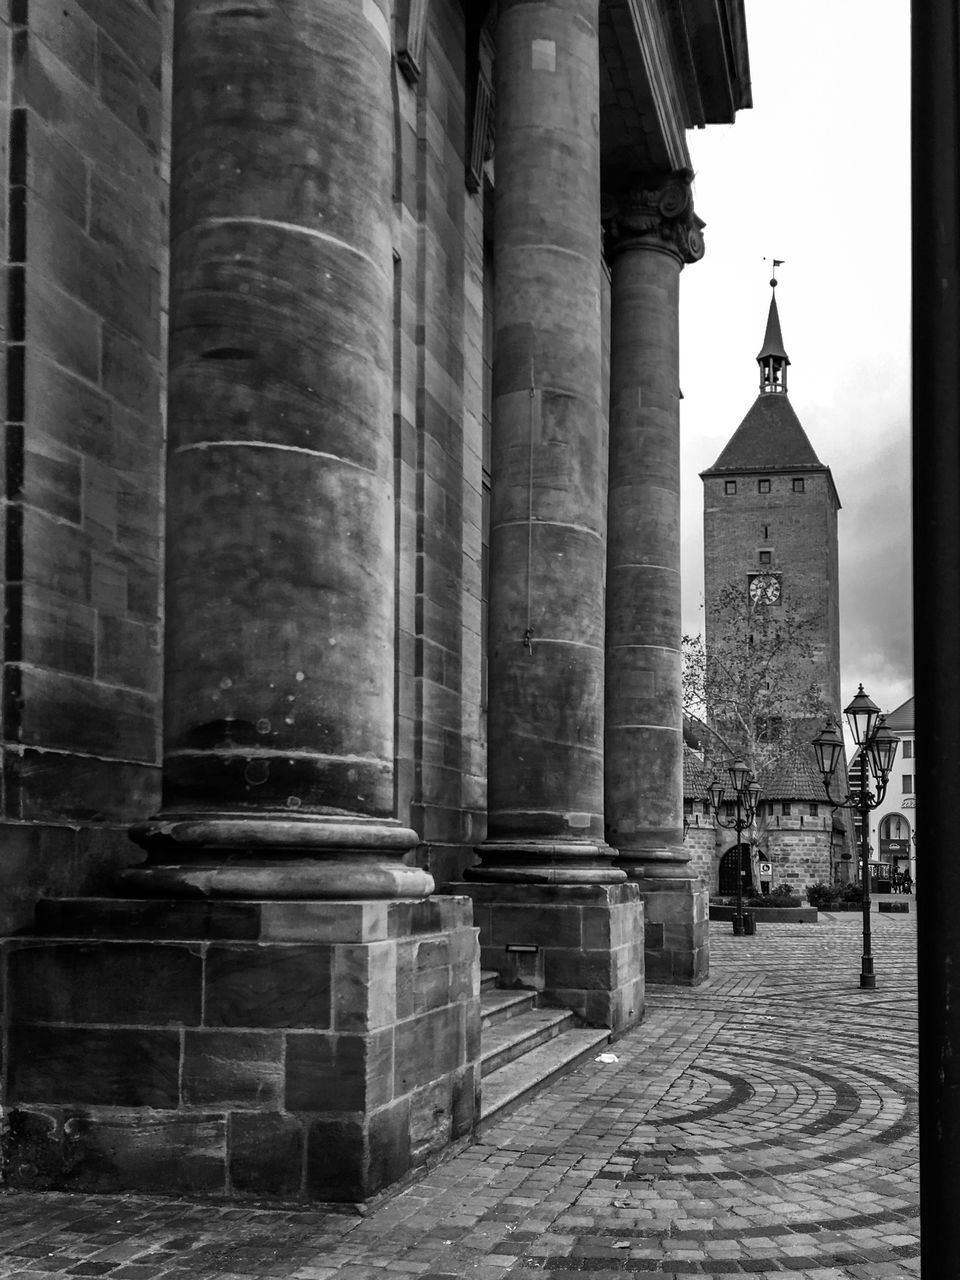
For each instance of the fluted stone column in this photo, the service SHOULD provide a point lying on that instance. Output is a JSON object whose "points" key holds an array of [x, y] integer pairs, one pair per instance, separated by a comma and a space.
{"points": [[545, 729], [278, 734], [652, 235], [552, 910]]}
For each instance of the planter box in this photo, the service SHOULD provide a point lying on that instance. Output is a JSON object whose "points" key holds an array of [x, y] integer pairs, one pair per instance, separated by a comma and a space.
{"points": [[769, 915]]}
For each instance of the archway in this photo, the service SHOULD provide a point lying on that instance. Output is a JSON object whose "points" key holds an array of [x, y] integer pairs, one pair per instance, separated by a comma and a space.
{"points": [[894, 845], [727, 874]]}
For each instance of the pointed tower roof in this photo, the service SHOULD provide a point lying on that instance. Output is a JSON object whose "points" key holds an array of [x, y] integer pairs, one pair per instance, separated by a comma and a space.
{"points": [[770, 438], [773, 339]]}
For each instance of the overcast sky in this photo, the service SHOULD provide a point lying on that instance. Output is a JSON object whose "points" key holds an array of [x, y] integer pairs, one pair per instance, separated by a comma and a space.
{"points": [[816, 173]]}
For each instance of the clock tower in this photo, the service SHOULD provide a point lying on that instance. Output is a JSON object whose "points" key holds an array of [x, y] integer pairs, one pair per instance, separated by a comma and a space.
{"points": [[770, 523], [770, 555]]}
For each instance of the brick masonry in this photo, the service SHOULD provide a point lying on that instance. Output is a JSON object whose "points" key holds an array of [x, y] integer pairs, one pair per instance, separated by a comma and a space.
{"points": [[799, 533], [84, 124], [312, 1051], [441, 282], [582, 946], [797, 844]]}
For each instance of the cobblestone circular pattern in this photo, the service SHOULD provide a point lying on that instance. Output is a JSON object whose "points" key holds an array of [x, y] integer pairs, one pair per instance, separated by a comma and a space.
{"points": [[763, 1124]]}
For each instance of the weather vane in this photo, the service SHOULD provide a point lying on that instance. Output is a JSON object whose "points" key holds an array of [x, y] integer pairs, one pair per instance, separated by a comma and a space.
{"points": [[777, 262]]}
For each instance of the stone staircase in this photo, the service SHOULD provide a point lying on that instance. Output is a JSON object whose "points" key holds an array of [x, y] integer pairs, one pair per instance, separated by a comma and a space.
{"points": [[525, 1046]]}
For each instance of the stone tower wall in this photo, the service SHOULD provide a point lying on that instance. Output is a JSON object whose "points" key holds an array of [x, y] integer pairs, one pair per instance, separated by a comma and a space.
{"points": [[799, 530], [799, 851]]}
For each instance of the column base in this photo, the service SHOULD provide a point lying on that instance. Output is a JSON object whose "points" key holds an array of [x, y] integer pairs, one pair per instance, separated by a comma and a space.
{"points": [[676, 923], [275, 855], [310, 1051], [546, 862], [580, 945]]}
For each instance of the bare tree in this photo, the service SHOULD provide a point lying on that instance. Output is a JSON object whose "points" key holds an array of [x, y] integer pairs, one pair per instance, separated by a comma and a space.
{"points": [[751, 694]]}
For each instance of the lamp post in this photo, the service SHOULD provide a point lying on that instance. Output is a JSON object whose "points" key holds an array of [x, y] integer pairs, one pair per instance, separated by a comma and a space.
{"points": [[878, 747], [746, 794]]}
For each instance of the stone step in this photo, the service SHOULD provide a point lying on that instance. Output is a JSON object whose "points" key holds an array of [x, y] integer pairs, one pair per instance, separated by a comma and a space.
{"points": [[488, 979], [499, 1006], [506, 1041], [510, 1085]]}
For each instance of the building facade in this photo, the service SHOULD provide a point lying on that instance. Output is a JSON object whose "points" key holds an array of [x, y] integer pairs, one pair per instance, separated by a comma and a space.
{"points": [[341, 375], [893, 824]]}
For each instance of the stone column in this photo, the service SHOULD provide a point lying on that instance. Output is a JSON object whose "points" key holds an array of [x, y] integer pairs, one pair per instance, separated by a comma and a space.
{"points": [[554, 912], [266, 1047], [653, 234], [278, 734], [545, 730]]}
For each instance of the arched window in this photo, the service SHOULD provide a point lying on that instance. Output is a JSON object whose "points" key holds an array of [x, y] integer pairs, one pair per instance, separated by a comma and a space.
{"points": [[895, 827]]}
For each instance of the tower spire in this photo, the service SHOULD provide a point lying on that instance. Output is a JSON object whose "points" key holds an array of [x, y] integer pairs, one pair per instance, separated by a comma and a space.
{"points": [[773, 359]]}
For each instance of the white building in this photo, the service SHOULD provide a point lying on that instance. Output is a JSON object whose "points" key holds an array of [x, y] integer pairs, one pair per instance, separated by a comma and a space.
{"points": [[893, 824]]}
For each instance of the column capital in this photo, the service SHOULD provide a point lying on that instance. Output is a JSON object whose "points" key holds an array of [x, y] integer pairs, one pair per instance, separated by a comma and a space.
{"points": [[660, 217]]}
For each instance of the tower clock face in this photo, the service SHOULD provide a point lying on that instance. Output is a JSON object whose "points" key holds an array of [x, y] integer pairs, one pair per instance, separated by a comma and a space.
{"points": [[764, 588]]}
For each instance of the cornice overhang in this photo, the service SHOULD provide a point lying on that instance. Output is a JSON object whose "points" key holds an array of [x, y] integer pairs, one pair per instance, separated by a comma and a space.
{"points": [[666, 66]]}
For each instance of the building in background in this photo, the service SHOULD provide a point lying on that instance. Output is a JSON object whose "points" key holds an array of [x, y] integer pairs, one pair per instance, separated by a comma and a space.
{"points": [[893, 825], [771, 553]]}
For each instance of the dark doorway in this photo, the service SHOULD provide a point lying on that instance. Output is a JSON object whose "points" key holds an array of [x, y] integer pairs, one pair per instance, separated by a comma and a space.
{"points": [[728, 871]]}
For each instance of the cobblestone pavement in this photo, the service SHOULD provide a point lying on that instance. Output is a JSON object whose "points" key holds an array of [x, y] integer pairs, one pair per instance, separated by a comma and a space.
{"points": [[763, 1124]]}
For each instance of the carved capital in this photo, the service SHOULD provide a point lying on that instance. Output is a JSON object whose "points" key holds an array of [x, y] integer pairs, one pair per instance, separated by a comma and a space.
{"points": [[659, 217]]}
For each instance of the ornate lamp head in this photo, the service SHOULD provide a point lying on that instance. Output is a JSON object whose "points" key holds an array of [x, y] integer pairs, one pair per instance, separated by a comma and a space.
{"points": [[753, 796], [862, 715], [739, 773], [715, 790], [882, 750], [828, 748]]}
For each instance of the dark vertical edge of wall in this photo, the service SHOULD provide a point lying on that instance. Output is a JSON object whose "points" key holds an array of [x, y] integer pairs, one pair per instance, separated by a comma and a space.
{"points": [[936, 480], [14, 412]]}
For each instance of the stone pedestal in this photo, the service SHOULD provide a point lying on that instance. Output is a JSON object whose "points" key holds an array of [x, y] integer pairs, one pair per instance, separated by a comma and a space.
{"points": [[580, 945], [676, 928], [308, 1050], [653, 233]]}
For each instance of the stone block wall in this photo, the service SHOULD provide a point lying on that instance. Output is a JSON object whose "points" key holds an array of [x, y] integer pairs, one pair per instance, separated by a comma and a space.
{"points": [[581, 946], [800, 532], [83, 120], [304, 1050], [442, 289], [85, 129], [798, 847], [700, 842]]}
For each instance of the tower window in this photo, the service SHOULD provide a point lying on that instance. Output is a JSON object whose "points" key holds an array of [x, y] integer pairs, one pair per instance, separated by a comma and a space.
{"points": [[763, 486], [729, 486], [907, 748], [765, 557], [798, 485], [907, 783], [814, 810], [786, 808]]}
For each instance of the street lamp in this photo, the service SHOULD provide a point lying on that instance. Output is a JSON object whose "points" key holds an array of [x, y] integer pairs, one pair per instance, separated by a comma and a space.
{"points": [[878, 747], [746, 793]]}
